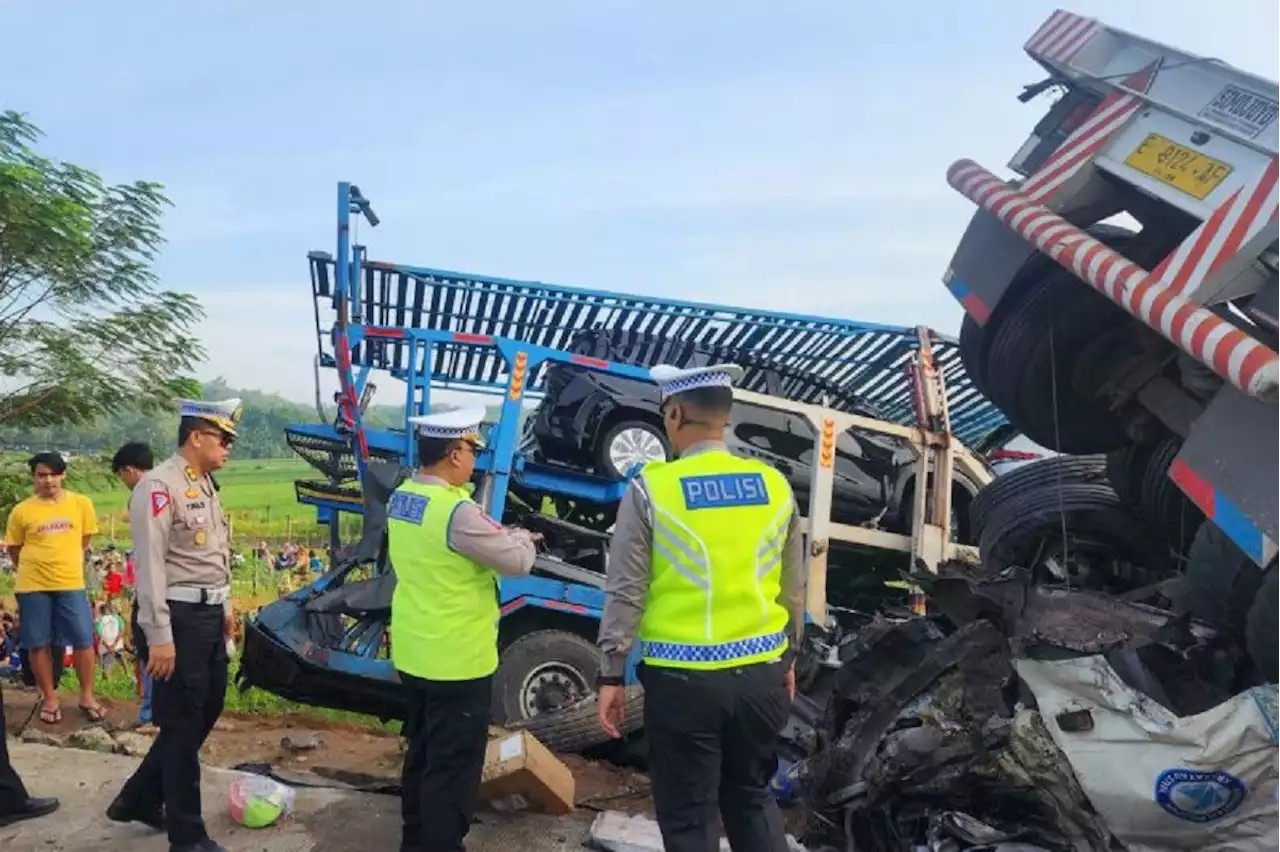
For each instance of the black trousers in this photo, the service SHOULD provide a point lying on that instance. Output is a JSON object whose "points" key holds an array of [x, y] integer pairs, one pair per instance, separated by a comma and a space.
{"points": [[13, 796], [447, 729], [713, 745], [185, 708]]}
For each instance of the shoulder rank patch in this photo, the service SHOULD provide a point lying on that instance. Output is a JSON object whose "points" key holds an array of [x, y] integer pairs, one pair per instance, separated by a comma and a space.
{"points": [[724, 491], [407, 507], [192, 476], [159, 502]]}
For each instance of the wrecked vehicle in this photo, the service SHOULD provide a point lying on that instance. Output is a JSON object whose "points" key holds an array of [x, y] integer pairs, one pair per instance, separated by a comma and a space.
{"points": [[1043, 718], [327, 644], [1155, 347]]}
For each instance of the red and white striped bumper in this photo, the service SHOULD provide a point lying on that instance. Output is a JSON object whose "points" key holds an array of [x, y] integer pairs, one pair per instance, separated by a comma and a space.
{"points": [[1228, 351]]}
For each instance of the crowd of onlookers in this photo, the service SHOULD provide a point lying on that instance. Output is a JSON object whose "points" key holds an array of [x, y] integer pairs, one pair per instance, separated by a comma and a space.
{"points": [[73, 600]]}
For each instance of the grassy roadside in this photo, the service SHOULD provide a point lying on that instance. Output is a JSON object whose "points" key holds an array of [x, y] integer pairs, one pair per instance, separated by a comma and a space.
{"points": [[257, 494], [254, 585]]}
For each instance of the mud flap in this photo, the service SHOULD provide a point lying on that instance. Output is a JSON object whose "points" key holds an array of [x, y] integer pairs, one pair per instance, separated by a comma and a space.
{"points": [[1218, 466], [985, 263], [1204, 782]]}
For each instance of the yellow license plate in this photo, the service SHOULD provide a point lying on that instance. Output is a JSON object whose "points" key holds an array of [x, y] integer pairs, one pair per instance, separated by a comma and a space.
{"points": [[1179, 167]]}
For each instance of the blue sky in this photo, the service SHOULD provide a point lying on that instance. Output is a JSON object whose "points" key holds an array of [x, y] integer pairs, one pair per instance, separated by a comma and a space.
{"points": [[786, 154]]}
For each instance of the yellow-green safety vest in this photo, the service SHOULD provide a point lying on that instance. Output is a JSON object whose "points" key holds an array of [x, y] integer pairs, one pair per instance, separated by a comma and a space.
{"points": [[719, 527], [444, 613]]}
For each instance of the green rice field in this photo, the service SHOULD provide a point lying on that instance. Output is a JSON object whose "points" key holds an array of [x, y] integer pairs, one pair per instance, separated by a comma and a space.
{"points": [[258, 496]]}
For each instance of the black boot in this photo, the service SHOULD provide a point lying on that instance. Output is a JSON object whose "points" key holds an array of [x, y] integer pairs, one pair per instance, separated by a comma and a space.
{"points": [[121, 810], [30, 809], [205, 845]]}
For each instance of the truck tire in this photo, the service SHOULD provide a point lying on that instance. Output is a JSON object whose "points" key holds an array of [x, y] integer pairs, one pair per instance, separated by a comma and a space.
{"points": [[1029, 373], [643, 438], [1027, 368], [973, 353], [1125, 469], [1163, 502], [1260, 630], [576, 729], [1013, 485], [1222, 581], [1093, 518], [543, 672]]}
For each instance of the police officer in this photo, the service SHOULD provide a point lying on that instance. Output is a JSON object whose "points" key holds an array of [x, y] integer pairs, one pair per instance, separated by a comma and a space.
{"points": [[131, 463], [16, 804], [183, 569], [446, 553], [706, 568]]}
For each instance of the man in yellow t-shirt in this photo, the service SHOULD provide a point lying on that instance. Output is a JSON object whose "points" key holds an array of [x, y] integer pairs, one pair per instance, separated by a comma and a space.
{"points": [[47, 536]]}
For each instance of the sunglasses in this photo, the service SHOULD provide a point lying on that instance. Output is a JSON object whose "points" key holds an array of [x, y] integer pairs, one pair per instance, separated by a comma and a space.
{"points": [[221, 437]]}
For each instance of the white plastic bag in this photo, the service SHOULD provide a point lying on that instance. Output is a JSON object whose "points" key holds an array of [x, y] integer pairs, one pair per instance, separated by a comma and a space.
{"points": [[257, 802]]}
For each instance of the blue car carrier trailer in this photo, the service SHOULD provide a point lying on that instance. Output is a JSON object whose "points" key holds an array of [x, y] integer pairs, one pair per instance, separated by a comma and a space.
{"points": [[430, 329]]}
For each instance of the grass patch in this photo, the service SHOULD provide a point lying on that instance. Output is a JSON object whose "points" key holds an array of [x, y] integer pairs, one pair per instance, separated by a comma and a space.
{"points": [[257, 495], [119, 684]]}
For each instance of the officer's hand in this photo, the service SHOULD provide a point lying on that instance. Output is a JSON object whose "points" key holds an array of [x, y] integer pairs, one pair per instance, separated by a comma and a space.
{"points": [[161, 661], [228, 628], [790, 681], [612, 709]]}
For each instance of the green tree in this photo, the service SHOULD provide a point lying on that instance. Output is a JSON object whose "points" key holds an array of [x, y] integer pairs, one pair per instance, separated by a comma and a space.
{"points": [[85, 330]]}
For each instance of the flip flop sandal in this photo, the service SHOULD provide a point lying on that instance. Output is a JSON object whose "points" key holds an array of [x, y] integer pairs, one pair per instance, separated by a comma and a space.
{"points": [[93, 713], [51, 717]]}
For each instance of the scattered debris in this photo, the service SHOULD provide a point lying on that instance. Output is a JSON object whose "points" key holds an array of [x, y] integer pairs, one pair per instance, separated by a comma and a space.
{"points": [[92, 739], [132, 744], [1025, 714], [302, 741], [36, 736], [521, 773], [613, 831]]}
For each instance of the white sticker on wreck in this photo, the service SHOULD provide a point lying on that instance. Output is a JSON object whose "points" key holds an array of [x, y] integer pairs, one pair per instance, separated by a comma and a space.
{"points": [[1198, 796], [1264, 698]]}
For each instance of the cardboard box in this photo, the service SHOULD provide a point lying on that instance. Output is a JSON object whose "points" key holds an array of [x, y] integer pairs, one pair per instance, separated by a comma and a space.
{"points": [[521, 773]]}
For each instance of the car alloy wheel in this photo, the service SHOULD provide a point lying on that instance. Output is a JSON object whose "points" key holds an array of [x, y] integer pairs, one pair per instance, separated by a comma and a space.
{"points": [[634, 445]]}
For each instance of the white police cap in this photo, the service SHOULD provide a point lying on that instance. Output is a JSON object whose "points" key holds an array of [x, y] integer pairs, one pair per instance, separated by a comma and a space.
{"points": [[224, 414], [460, 424], [673, 380]]}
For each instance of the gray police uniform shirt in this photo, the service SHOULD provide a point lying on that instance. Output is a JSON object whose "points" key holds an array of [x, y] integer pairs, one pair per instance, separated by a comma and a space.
{"points": [[478, 537], [630, 569], [180, 538]]}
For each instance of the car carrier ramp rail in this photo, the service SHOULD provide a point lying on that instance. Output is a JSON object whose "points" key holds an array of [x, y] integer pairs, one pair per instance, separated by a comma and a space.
{"points": [[865, 360]]}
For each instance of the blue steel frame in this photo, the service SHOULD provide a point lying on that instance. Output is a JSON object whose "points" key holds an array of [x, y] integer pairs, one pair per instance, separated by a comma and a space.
{"points": [[499, 460], [521, 360]]}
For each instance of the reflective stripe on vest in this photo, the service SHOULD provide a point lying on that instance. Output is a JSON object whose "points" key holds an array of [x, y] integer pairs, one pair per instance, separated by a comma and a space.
{"points": [[444, 611], [713, 596]]}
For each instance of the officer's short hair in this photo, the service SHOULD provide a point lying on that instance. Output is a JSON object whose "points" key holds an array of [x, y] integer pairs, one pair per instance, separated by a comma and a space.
{"points": [[134, 454], [54, 461], [432, 450], [712, 400]]}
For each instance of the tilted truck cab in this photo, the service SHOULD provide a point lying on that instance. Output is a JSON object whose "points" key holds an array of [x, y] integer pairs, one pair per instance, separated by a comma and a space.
{"points": [[1096, 337]]}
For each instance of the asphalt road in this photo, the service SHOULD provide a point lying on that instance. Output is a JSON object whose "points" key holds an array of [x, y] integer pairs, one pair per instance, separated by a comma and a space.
{"points": [[323, 820]]}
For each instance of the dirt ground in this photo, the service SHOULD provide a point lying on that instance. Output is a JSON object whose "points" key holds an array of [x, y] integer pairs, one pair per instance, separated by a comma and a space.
{"points": [[346, 751]]}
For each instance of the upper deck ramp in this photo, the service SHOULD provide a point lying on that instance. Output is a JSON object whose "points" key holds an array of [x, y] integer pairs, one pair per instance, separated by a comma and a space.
{"points": [[866, 361]]}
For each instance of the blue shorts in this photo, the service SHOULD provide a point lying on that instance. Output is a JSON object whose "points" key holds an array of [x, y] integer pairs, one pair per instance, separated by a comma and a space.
{"points": [[54, 618]]}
